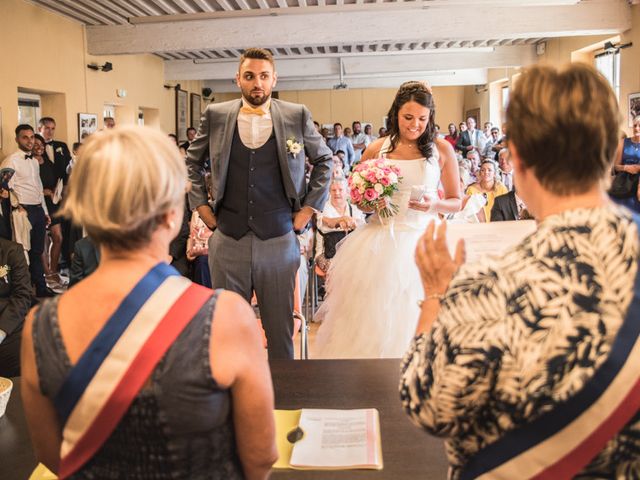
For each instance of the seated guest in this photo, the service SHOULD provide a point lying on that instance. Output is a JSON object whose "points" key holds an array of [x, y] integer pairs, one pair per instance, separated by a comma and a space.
{"points": [[506, 169], [337, 220], [338, 167], [85, 260], [471, 208], [188, 389], [488, 186], [492, 141], [382, 132], [473, 158], [452, 137], [509, 207], [526, 363], [15, 300]]}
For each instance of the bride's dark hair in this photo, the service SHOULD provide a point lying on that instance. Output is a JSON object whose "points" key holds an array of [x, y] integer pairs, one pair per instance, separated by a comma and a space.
{"points": [[417, 92]]}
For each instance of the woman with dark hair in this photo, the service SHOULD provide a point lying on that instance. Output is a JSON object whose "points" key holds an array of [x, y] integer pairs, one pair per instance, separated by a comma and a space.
{"points": [[374, 285], [452, 137], [49, 177]]}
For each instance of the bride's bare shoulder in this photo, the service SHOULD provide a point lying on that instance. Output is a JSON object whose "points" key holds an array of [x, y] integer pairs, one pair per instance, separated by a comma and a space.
{"points": [[373, 149]]}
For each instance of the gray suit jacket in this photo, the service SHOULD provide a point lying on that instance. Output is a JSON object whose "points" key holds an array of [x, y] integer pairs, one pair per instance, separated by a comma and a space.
{"points": [[214, 139]]}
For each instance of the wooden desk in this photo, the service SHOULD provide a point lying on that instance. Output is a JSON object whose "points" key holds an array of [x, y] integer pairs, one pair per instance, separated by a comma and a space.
{"points": [[408, 453]]}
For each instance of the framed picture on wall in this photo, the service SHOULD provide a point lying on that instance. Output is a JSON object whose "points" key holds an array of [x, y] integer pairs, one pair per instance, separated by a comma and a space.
{"points": [[475, 114], [182, 100], [87, 124], [634, 107], [195, 110]]}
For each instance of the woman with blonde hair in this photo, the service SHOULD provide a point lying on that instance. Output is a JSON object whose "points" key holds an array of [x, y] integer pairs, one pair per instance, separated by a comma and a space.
{"points": [[488, 186], [135, 372], [527, 363]]}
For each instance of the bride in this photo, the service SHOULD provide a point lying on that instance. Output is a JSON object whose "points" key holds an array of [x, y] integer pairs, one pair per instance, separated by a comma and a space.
{"points": [[373, 286]]}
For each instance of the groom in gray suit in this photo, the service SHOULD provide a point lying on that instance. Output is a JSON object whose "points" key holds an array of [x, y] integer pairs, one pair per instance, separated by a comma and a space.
{"points": [[257, 146]]}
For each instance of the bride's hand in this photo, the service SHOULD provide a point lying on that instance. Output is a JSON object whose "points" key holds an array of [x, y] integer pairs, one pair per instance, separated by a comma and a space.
{"points": [[425, 205], [434, 260], [380, 204]]}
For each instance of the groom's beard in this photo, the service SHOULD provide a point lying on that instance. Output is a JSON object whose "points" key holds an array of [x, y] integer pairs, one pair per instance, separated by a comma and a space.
{"points": [[255, 99]]}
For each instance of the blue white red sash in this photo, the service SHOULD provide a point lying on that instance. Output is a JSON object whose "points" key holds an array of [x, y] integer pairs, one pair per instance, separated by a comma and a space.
{"points": [[561, 442], [111, 372]]}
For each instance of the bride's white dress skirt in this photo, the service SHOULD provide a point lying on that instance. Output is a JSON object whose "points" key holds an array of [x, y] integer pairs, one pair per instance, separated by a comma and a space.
{"points": [[373, 286]]}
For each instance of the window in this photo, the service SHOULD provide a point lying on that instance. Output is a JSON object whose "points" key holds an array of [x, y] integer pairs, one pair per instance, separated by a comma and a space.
{"points": [[608, 64], [28, 109]]}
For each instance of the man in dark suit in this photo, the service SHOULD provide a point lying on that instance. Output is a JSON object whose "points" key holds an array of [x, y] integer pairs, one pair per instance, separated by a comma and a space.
{"points": [[509, 207], [471, 138], [86, 257], [257, 148], [59, 154], [15, 300]]}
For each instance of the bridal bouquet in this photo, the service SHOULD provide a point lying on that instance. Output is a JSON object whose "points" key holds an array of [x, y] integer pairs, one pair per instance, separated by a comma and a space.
{"points": [[372, 181]]}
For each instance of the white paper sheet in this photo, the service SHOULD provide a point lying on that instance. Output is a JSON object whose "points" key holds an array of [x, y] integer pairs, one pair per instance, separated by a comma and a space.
{"points": [[492, 238], [338, 439]]}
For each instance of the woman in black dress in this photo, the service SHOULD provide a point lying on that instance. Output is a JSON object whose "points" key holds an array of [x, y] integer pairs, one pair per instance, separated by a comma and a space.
{"points": [[49, 176]]}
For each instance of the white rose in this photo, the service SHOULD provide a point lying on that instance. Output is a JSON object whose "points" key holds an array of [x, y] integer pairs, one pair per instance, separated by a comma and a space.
{"points": [[393, 178], [295, 149], [289, 143], [378, 188]]}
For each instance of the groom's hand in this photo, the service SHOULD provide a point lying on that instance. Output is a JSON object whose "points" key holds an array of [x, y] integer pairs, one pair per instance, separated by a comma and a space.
{"points": [[207, 216], [302, 218]]}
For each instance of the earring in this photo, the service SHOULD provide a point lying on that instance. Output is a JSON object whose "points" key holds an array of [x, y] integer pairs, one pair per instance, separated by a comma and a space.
{"points": [[172, 225]]}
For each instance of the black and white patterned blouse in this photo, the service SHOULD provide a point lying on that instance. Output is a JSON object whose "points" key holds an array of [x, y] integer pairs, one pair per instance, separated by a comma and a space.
{"points": [[518, 334]]}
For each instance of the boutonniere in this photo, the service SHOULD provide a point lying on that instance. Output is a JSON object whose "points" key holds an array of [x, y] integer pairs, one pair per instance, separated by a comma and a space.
{"points": [[4, 272], [293, 146], [59, 150]]}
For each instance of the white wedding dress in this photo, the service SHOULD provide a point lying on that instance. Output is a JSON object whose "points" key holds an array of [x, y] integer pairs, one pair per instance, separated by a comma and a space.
{"points": [[373, 285]]}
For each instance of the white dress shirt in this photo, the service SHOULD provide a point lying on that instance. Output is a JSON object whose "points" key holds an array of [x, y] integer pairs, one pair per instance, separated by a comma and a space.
{"points": [[255, 130], [26, 183], [360, 138], [507, 179]]}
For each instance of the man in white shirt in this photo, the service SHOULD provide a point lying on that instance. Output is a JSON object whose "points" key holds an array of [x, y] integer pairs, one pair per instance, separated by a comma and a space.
{"points": [[506, 168], [257, 146], [27, 187], [360, 141]]}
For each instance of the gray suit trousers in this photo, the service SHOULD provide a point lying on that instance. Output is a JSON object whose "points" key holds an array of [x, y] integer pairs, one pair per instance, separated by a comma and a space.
{"points": [[267, 267]]}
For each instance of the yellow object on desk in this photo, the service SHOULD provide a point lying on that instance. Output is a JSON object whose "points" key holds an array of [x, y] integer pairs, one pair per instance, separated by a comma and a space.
{"points": [[42, 473], [323, 439]]}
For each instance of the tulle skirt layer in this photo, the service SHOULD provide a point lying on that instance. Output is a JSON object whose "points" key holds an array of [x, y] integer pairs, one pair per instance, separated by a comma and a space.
{"points": [[373, 287]]}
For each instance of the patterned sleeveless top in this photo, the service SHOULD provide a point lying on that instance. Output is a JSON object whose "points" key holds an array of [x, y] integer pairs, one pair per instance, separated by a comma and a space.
{"points": [[180, 424]]}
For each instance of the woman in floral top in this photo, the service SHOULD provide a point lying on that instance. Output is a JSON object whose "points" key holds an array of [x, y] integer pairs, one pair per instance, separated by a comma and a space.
{"points": [[504, 341]]}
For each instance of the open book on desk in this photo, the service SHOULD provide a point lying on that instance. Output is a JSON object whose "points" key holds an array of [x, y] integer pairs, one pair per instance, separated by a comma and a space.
{"points": [[318, 439]]}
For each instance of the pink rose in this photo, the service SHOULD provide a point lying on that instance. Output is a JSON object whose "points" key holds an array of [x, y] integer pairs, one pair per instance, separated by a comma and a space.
{"points": [[371, 176], [356, 196], [370, 194], [385, 181]]}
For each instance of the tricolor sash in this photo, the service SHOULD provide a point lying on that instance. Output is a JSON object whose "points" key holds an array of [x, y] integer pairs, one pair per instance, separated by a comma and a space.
{"points": [[562, 442], [109, 375]]}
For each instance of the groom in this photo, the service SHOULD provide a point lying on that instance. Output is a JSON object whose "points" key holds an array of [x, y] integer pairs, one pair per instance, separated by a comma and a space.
{"points": [[260, 196]]}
